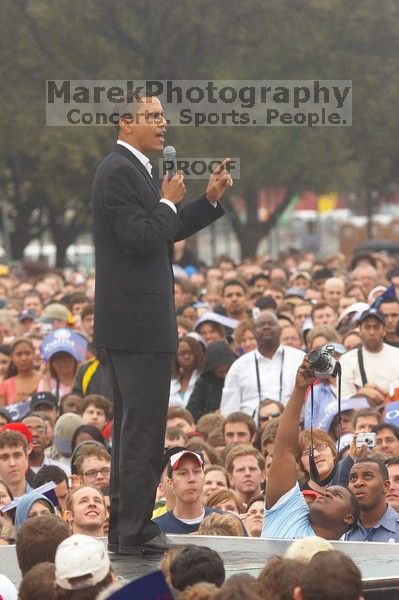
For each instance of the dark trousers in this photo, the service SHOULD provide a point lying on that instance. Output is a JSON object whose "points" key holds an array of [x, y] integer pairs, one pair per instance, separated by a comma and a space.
{"points": [[141, 385]]}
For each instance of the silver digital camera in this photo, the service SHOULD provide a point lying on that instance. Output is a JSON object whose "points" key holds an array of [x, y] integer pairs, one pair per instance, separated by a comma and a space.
{"points": [[323, 363], [366, 439]]}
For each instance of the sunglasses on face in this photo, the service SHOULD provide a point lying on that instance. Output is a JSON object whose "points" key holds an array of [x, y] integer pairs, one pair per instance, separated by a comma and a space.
{"points": [[269, 417]]}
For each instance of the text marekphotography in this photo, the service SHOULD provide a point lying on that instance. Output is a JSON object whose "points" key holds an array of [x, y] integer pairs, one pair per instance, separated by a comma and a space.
{"points": [[200, 103]]}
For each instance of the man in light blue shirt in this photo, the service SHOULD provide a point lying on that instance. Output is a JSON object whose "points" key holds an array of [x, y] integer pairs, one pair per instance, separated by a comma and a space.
{"points": [[379, 522], [287, 515]]}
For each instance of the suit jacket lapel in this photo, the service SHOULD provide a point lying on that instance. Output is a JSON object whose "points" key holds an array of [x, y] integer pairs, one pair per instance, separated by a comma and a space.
{"points": [[122, 150]]}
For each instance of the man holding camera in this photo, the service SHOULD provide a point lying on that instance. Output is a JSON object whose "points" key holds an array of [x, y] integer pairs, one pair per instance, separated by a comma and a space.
{"points": [[287, 514]]}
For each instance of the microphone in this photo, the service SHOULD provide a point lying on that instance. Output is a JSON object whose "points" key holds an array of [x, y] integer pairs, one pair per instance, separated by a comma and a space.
{"points": [[169, 155]]}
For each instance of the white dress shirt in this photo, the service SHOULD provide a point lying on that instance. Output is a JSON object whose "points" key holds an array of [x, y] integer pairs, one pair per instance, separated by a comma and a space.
{"points": [[240, 392], [146, 162]]}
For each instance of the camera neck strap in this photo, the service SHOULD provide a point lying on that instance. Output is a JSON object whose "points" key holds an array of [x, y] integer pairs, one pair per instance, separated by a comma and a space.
{"points": [[280, 393], [314, 473]]}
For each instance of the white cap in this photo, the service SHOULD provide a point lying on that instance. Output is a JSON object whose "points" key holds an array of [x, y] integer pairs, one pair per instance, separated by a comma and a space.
{"points": [[304, 549], [355, 310], [8, 590], [79, 556], [216, 318]]}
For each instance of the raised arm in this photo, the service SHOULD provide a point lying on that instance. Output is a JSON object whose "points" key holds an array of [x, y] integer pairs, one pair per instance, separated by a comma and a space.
{"points": [[283, 470]]}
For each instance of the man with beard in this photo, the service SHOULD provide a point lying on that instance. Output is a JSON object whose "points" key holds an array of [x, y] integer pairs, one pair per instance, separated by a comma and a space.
{"points": [[378, 522], [267, 372], [235, 300]]}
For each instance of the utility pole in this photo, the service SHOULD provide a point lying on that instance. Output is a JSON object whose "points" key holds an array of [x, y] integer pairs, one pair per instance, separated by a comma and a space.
{"points": [[372, 197], [6, 230]]}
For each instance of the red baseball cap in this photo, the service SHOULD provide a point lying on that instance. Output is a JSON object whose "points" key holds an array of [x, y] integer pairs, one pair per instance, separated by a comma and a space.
{"points": [[174, 461], [20, 428]]}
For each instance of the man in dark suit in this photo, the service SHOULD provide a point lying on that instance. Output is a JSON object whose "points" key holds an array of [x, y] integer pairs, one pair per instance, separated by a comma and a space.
{"points": [[134, 230]]}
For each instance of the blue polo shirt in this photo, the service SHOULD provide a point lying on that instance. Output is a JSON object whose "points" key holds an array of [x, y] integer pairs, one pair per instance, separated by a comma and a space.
{"points": [[288, 518], [386, 530]]}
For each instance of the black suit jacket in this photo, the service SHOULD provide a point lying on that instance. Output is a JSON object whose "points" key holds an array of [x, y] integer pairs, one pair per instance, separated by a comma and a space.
{"points": [[133, 236]]}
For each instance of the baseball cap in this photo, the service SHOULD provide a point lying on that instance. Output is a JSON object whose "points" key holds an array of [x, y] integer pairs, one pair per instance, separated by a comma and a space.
{"points": [[27, 315], [19, 428], [371, 313], [81, 556], [174, 461], [216, 318], [46, 398], [8, 590], [300, 274], [304, 549], [168, 453], [295, 291], [54, 312], [64, 429], [64, 340]]}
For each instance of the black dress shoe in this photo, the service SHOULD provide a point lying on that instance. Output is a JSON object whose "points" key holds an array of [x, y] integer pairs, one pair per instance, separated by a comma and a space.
{"points": [[156, 545]]}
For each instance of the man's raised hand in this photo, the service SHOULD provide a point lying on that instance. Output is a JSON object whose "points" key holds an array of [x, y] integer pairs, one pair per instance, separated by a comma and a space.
{"points": [[219, 180], [305, 375]]}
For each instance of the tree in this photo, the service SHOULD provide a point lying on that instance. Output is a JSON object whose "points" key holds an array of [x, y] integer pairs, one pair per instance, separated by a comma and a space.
{"points": [[45, 173]]}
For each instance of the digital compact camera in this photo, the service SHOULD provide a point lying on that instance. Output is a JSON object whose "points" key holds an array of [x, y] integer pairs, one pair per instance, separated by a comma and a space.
{"points": [[366, 439]]}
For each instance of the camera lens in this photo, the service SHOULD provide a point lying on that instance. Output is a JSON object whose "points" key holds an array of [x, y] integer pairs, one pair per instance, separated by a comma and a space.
{"points": [[318, 360]]}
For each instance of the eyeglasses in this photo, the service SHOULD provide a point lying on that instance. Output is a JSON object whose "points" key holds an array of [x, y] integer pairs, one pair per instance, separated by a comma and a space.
{"points": [[269, 417], [318, 448], [38, 429], [92, 474]]}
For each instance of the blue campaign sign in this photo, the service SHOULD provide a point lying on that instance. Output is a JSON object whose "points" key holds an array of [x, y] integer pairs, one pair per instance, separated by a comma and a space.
{"points": [[391, 413], [18, 411], [149, 587]]}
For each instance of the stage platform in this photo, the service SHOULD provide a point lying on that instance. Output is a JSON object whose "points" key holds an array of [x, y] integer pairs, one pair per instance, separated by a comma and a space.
{"points": [[378, 563]]}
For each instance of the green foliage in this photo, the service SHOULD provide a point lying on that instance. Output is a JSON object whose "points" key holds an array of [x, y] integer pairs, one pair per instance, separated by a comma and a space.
{"points": [[45, 173]]}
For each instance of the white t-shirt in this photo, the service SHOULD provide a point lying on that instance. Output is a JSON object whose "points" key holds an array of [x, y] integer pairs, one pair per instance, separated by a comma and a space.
{"points": [[381, 368]]}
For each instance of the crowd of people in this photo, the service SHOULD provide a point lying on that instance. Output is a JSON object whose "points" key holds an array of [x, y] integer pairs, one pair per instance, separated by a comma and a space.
{"points": [[259, 441]]}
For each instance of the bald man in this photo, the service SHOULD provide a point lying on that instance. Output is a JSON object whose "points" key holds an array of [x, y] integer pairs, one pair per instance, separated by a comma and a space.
{"points": [[267, 372]]}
